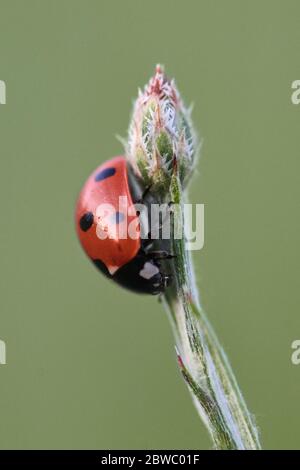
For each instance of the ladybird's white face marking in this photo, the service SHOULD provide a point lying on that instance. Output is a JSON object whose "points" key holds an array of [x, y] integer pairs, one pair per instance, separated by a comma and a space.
{"points": [[149, 270]]}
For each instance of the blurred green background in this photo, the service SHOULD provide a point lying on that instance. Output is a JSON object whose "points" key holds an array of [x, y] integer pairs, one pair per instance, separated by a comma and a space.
{"points": [[90, 365]]}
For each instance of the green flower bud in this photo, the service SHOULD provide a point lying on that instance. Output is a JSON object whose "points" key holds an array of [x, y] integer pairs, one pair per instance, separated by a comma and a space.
{"points": [[161, 142]]}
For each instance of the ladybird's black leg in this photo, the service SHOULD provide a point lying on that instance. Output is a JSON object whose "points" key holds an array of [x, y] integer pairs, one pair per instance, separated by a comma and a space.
{"points": [[159, 255], [166, 279], [155, 254], [147, 189], [146, 246], [170, 204], [164, 283], [148, 242], [145, 192]]}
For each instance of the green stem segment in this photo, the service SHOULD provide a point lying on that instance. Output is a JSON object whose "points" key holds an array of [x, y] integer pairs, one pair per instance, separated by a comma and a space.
{"points": [[162, 150], [201, 359]]}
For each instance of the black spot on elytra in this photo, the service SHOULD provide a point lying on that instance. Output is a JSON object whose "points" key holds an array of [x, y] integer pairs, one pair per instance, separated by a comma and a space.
{"points": [[106, 173], [86, 221], [118, 217]]}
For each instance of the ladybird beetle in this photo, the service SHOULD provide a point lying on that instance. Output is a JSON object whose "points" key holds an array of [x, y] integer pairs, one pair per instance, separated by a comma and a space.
{"points": [[127, 260]]}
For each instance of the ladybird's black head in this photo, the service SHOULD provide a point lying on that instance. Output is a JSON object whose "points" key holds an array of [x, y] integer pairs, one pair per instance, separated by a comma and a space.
{"points": [[142, 275]]}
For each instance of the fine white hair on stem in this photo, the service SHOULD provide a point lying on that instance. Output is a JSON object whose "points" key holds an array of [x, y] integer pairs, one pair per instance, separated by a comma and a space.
{"points": [[162, 148]]}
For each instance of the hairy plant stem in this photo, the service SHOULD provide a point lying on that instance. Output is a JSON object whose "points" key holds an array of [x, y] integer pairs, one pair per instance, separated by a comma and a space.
{"points": [[162, 150], [201, 359]]}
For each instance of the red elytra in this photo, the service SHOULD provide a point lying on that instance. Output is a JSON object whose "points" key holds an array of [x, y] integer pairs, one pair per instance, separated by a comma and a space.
{"points": [[105, 185]]}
